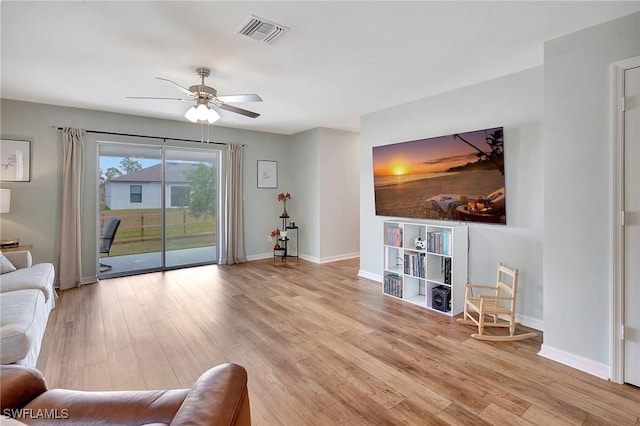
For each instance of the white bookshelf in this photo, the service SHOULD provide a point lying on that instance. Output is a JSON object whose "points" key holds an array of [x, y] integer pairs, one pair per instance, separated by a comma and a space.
{"points": [[424, 276]]}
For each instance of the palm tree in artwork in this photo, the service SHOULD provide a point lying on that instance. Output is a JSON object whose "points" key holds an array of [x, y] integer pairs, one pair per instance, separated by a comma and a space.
{"points": [[495, 140]]}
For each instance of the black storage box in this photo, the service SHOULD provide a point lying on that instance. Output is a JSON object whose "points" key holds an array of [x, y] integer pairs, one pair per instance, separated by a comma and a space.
{"points": [[441, 298]]}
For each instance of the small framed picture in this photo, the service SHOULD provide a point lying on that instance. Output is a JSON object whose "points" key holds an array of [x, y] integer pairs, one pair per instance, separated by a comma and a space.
{"points": [[267, 174], [15, 157]]}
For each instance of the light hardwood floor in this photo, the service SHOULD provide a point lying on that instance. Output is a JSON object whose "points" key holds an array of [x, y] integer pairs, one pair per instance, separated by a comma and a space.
{"points": [[321, 346]]}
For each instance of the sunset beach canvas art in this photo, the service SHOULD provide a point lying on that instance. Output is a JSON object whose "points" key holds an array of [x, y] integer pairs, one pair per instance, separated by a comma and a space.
{"points": [[458, 177]]}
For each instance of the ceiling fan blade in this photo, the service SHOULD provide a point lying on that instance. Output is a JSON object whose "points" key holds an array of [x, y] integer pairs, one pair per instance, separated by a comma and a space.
{"points": [[240, 98], [153, 97], [185, 90], [239, 110]]}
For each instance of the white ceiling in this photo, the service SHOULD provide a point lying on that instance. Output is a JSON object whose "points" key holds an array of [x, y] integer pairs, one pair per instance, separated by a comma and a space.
{"points": [[340, 60]]}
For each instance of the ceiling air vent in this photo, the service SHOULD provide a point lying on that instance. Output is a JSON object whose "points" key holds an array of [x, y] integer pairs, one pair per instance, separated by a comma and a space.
{"points": [[261, 29]]}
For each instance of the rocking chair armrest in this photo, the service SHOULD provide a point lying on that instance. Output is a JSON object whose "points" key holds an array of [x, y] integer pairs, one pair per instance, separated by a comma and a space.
{"points": [[490, 296], [488, 287]]}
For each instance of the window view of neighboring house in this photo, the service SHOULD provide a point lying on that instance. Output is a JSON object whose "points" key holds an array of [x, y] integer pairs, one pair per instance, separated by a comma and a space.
{"points": [[135, 193], [180, 196], [126, 191]]}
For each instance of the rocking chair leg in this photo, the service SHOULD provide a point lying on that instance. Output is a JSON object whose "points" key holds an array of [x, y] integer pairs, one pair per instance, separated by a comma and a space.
{"points": [[504, 338]]}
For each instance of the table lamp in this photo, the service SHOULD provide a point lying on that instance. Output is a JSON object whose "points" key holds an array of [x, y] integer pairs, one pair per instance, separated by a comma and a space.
{"points": [[5, 206], [5, 200]]}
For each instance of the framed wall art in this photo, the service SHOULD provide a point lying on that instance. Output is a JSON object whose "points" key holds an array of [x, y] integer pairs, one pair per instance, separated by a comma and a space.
{"points": [[456, 177], [15, 157], [267, 174]]}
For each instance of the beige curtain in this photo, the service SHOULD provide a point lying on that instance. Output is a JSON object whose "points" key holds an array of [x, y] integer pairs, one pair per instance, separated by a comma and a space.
{"points": [[69, 271], [232, 250]]}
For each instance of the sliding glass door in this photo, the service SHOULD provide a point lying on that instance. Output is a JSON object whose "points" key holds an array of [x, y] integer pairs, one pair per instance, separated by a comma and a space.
{"points": [[191, 182], [130, 183], [157, 208]]}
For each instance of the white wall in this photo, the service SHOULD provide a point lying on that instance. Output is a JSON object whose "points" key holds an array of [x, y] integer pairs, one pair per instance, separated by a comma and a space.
{"points": [[35, 214], [577, 179], [326, 201], [515, 102], [305, 203], [339, 192]]}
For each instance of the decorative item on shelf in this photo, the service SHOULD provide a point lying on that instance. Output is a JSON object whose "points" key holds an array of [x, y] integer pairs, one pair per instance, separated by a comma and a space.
{"points": [[420, 244], [283, 234], [284, 197], [275, 234]]}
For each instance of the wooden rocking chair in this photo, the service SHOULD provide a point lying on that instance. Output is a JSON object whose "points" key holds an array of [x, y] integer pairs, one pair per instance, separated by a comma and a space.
{"points": [[499, 305]]}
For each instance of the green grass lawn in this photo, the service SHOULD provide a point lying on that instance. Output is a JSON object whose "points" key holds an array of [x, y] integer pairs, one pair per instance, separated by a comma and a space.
{"points": [[140, 230]]}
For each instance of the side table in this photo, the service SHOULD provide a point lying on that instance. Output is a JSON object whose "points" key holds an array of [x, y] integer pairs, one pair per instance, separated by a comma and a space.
{"points": [[284, 251], [21, 247]]}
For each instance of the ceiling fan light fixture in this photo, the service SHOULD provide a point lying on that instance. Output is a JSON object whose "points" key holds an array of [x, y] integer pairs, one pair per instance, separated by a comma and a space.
{"points": [[202, 112], [191, 114], [212, 116]]}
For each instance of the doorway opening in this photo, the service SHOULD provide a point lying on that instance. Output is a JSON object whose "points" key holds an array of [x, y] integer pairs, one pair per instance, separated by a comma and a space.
{"points": [[625, 318]]}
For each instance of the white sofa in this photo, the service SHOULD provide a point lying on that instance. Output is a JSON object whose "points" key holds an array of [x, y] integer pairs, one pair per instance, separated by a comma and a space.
{"points": [[27, 297]]}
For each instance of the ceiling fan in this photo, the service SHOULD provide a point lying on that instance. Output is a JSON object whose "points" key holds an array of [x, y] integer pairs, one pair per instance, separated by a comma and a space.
{"points": [[206, 99]]}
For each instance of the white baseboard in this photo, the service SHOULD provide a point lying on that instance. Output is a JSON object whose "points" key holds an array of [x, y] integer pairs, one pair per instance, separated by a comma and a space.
{"points": [[308, 258], [370, 276], [339, 257], [259, 256], [580, 363], [329, 259], [535, 323]]}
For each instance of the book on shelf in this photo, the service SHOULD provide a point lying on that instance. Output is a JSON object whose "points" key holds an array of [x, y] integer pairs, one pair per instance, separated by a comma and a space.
{"points": [[393, 237], [439, 242], [415, 264], [446, 270], [393, 285]]}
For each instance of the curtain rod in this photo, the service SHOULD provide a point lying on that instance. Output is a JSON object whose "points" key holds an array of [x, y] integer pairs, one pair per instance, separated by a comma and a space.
{"points": [[163, 138]]}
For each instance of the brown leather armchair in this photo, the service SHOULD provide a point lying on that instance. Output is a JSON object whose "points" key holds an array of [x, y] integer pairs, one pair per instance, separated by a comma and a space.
{"points": [[219, 397]]}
